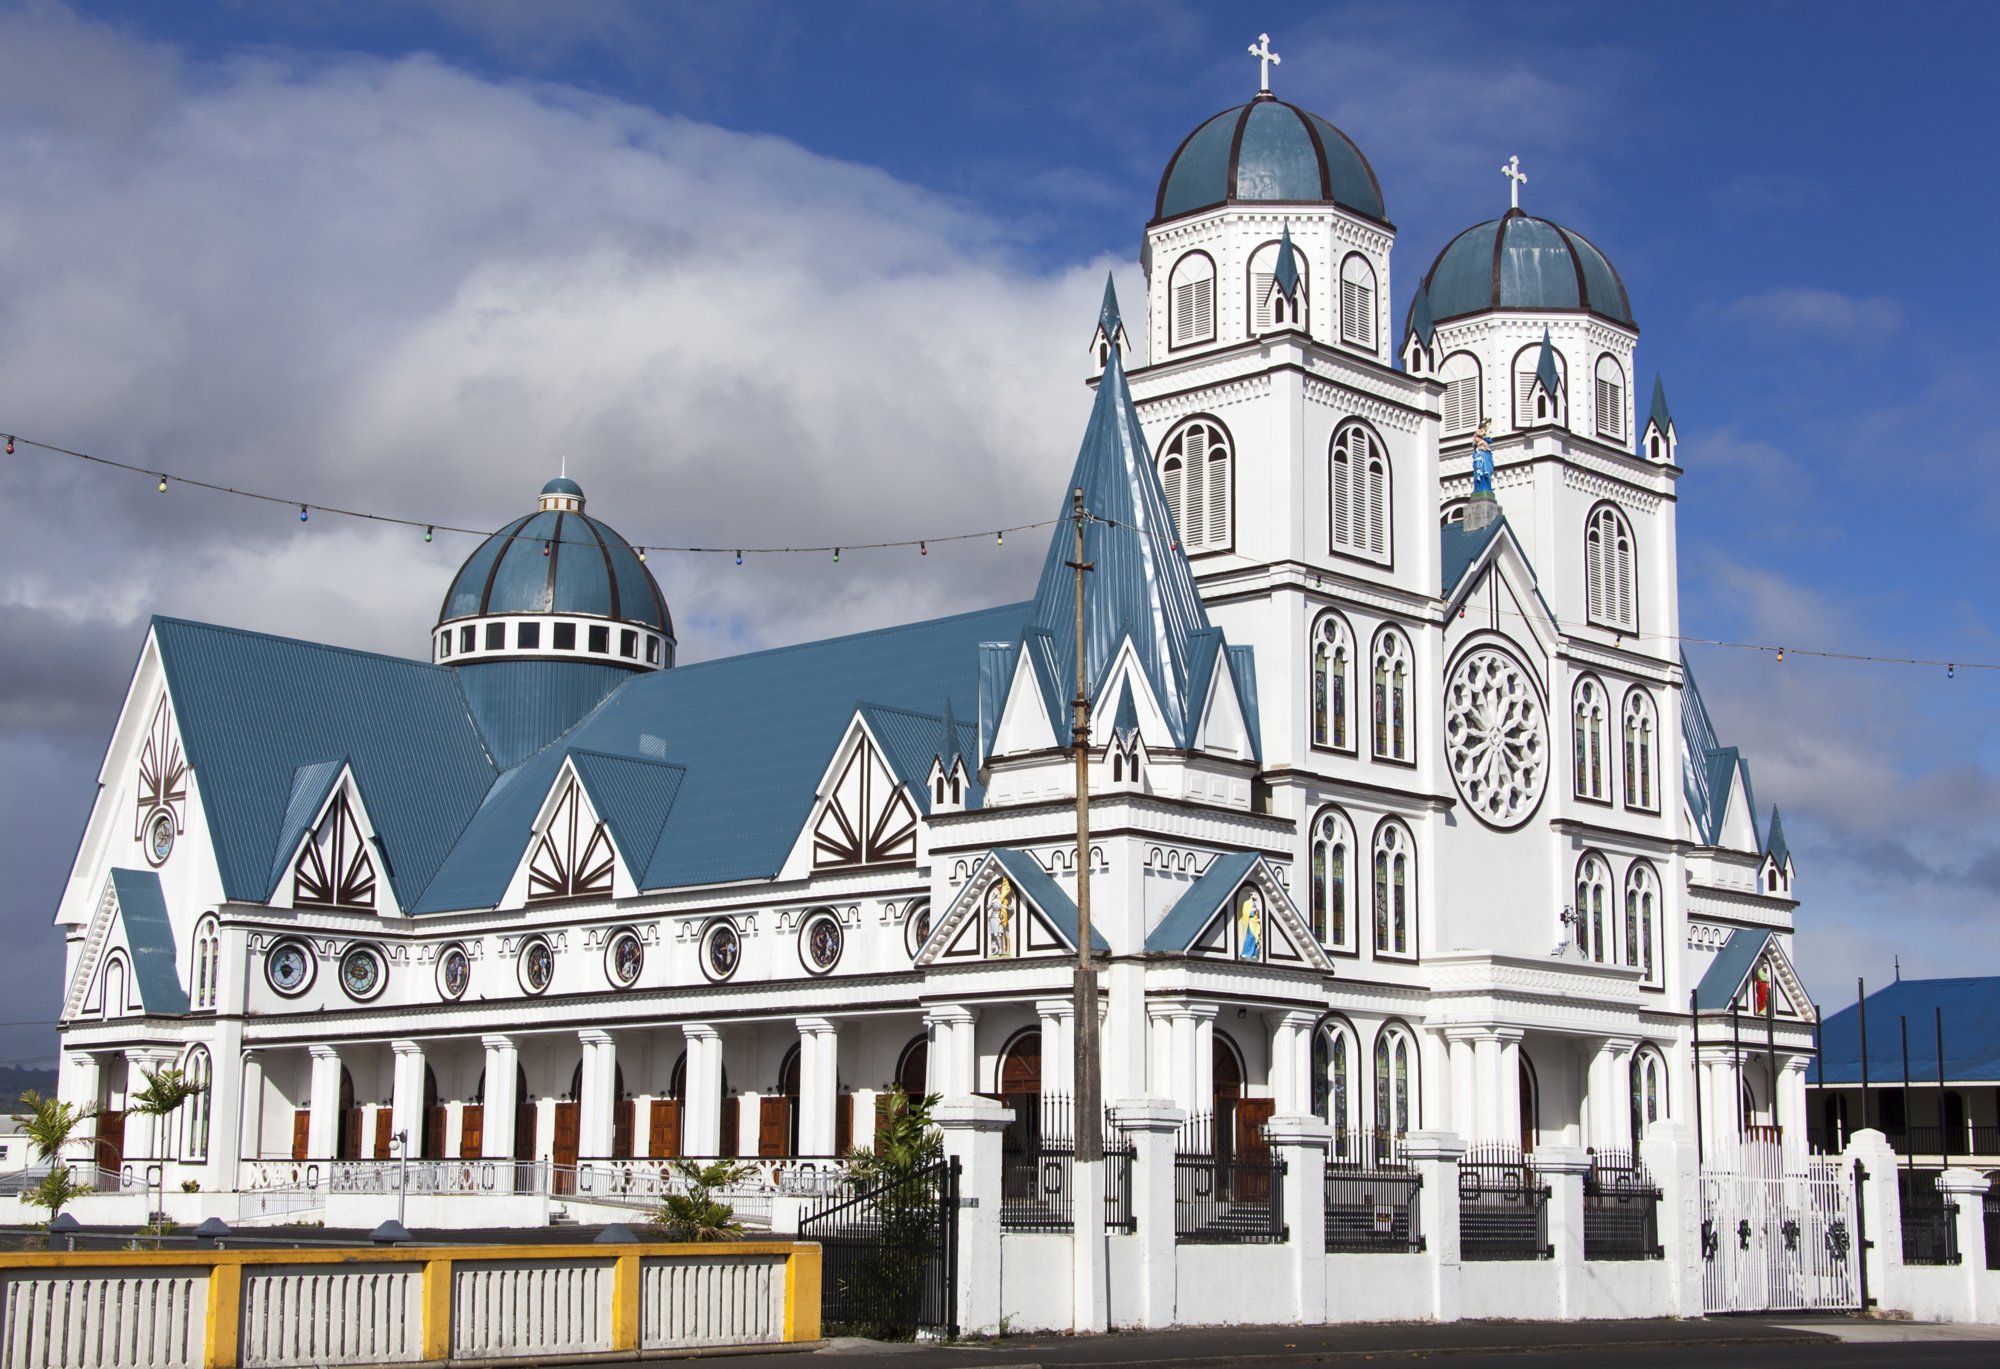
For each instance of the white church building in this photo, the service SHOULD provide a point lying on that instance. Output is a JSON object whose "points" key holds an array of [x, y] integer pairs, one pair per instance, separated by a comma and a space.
{"points": [[1405, 815]]}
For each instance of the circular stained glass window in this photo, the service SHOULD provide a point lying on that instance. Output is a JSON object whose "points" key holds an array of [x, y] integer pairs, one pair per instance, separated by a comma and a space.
{"points": [[362, 973], [454, 971], [624, 959], [1496, 741], [160, 838], [538, 965], [722, 952], [289, 968], [916, 928], [820, 943]]}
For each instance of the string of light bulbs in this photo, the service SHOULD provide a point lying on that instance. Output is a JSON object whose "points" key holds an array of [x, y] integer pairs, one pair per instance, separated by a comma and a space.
{"points": [[430, 528]]}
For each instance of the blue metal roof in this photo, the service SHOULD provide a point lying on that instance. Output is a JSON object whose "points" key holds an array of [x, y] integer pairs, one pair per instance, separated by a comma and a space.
{"points": [[1268, 150], [1659, 416], [1545, 368], [562, 484], [1775, 844], [1524, 263], [1459, 549], [149, 933], [1203, 899], [311, 784], [1420, 320], [1971, 1012], [1286, 273], [632, 796], [1058, 907], [522, 706], [912, 740], [1710, 770], [556, 561], [1732, 965]]}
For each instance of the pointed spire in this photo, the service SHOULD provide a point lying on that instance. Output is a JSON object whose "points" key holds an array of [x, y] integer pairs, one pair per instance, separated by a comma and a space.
{"points": [[1775, 846], [1110, 334], [1140, 585], [1660, 417], [950, 750], [1545, 368], [1287, 273], [1422, 322]]}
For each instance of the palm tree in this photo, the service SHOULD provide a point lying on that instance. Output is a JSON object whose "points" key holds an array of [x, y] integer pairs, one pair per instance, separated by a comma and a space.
{"points": [[166, 1091], [50, 1126]]}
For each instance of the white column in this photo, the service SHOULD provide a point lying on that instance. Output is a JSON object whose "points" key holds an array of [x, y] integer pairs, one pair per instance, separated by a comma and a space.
{"points": [[1284, 1100], [1464, 1119], [249, 1102], [818, 1085], [701, 1091], [1151, 1125], [1791, 1104], [1509, 1098], [1488, 1125], [1204, 1055], [1125, 1038], [1160, 1050], [1617, 1113], [1595, 1124], [971, 1130], [406, 1096], [503, 1077], [1058, 1021], [324, 1099], [953, 1063], [596, 1095]]}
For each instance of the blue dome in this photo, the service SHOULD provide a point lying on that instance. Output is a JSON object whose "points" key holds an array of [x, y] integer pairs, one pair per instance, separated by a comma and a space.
{"points": [[557, 560], [1523, 263], [1268, 151]]}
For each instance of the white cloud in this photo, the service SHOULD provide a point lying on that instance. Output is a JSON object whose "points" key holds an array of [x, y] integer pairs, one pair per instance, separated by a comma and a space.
{"points": [[1829, 313]]}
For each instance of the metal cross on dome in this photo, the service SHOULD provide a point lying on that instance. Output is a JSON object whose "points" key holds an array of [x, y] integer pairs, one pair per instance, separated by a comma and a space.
{"points": [[1266, 59], [1512, 171]]}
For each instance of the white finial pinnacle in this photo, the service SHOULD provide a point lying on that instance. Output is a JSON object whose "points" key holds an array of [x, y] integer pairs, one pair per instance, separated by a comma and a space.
{"points": [[1266, 59], [565, 469], [1512, 171]]}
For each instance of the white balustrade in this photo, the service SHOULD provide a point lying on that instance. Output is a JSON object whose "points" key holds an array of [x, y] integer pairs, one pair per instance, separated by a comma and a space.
{"points": [[711, 1302], [457, 1178], [97, 1320], [530, 1308], [328, 1314]]}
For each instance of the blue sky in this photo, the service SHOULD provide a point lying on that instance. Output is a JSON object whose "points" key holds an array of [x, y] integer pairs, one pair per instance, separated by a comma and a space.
{"points": [[408, 254]]}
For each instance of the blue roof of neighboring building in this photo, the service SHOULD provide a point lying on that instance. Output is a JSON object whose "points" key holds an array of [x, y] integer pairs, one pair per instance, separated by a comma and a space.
{"points": [[1202, 900], [1523, 263], [557, 561], [1970, 1009], [149, 934], [1270, 151], [1037, 884]]}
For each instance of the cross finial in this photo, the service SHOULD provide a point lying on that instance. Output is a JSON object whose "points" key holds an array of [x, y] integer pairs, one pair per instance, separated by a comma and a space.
{"points": [[1512, 171], [1266, 59]]}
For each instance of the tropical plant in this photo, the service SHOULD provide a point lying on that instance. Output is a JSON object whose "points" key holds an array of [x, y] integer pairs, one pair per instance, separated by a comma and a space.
{"points": [[901, 1192], [166, 1091], [50, 1126], [695, 1213]]}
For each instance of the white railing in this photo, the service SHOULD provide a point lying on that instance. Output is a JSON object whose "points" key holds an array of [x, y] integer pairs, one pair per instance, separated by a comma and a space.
{"points": [[725, 1301], [255, 1175], [278, 1203], [530, 1309], [327, 1314], [89, 1319], [457, 1178]]}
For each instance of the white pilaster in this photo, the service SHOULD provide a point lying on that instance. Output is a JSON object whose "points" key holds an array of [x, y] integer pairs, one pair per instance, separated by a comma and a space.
{"points": [[701, 1091], [1464, 1119], [406, 1096], [818, 1085], [503, 1064], [597, 1094], [1509, 1093], [323, 1128]]}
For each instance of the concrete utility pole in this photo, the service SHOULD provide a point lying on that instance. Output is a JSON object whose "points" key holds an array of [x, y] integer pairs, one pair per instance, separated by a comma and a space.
{"points": [[1089, 1088]]}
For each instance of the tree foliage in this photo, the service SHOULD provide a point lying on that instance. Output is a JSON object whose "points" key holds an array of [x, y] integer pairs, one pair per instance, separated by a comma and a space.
{"points": [[695, 1213], [50, 1126], [898, 1219]]}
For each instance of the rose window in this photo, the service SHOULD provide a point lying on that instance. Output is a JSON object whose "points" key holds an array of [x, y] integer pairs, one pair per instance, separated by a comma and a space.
{"points": [[1495, 737]]}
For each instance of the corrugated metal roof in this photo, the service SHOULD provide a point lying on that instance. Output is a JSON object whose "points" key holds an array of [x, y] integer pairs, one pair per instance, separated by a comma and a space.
{"points": [[1732, 965], [1203, 899], [522, 706], [149, 932], [1970, 1008], [1040, 889], [253, 708], [1459, 549], [911, 741], [557, 562], [1524, 263], [310, 786], [632, 796], [1243, 667]]}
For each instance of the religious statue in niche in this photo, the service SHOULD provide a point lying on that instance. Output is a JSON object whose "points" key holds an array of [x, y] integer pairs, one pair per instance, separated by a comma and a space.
{"points": [[1250, 927], [1000, 920], [1760, 989]]}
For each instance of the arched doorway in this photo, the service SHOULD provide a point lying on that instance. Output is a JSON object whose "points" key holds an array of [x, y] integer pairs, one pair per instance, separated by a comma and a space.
{"points": [[524, 1116], [1020, 1089], [666, 1127], [472, 1121], [569, 1124], [1531, 1105], [778, 1119], [1238, 1120], [433, 1117], [347, 1145]]}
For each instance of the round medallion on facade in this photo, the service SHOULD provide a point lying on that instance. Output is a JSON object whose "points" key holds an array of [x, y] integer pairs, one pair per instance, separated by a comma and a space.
{"points": [[454, 971], [362, 973], [916, 927], [288, 966], [624, 958], [538, 964], [820, 942], [721, 951], [160, 838], [1495, 737]]}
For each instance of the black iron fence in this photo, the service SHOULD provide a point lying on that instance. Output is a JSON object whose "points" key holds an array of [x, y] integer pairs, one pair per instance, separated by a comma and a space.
{"points": [[1371, 1197], [1930, 1221], [1228, 1189], [1992, 1204], [1038, 1171], [890, 1256], [1502, 1206], [1621, 1209]]}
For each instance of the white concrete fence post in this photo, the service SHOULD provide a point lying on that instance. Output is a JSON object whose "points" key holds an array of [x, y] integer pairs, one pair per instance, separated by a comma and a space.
{"points": [[1562, 1168], [1669, 1153], [1434, 1155], [1967, 1188], [971, 1127], [1302, 1142], [1153, 1125], [1881, 1216]]}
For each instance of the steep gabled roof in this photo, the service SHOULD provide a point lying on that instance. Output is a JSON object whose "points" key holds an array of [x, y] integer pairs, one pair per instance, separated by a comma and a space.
{"points": [[1058, 907], [311, 784], [632, 796], [1775, 845], [149, 934], [1660, 416], [1710, 771], [1203, 899], [1459, 549], [1730, 968], [912, 740]]}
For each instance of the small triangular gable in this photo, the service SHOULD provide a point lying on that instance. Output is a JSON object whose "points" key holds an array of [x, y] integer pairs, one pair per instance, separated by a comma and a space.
{"points": [[1023, 725], [1772, 975], [996, 916], [1239, 910], [329, 855], [863, 815], [131, 923], [572, 852]]}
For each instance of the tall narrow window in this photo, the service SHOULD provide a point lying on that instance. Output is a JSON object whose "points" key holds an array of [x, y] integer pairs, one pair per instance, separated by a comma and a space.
{"points": [[1395, 1082], [1642, 914], [1588, 734], [195, 1111], [1195, 472], [1460, 374], [1191, 306], [1639, 748], [1610, 397], [1332, 879], [1395, 889], [207, 963], [1332, 684], [1391, 696], [1332, 1067], [1609, 569], [1357, 302], [1592, 932], [1358, 488]]}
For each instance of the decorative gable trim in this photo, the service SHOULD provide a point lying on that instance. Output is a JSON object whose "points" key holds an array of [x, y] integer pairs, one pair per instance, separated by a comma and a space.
{"points": [[1213, 919], [336, 861], [865, 816], [999, 915]]}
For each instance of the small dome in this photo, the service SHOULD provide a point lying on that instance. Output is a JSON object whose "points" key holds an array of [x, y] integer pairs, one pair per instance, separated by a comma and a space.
{"points": [[1268, 151], [1522, 263], [558, 560]]}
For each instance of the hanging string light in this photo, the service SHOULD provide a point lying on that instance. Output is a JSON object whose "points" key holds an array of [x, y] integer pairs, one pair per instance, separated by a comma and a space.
{"points": [[999, 539], [739, 557], [163, 484], [642, 556], [1781, 655], [923, 549], [427, 532], [10, 444], [836, 556], [302, 510]]}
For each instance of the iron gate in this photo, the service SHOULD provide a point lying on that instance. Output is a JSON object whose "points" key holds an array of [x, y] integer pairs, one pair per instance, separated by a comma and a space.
{"points": [[889, 1257], [1778, 1233]]}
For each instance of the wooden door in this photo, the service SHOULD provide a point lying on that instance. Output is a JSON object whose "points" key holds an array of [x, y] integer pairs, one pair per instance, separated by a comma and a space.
{"points": [[564, 1157], [732, 1129], [472, 1131], [624, 1116], [843, 1123], [301, 1132], [774, 1126], [350, 1133], [1253, 1180], [524, 1131], [385, 1133], [663, 1135], [433, 1132], [111, 1140]]}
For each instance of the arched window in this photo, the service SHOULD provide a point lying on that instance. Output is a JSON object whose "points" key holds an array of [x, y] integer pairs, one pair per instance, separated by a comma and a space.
{"points": [[1332, 894], [195, 1111], [1649, 1090], [1395, 889], [1610, 396], [1395, 1081], [1587, 727], [114, 987], [1534, 405], [1454, 512], [1357, 302], [1642, 919], [1593, 920], [1358, 489], [1332, 1091], [1332, 684], [1191, 300], [1460, 374], [207, 963], [1610, 569], [1640, 744], [1269, 309], [1390, 696], [1194, 469]]}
